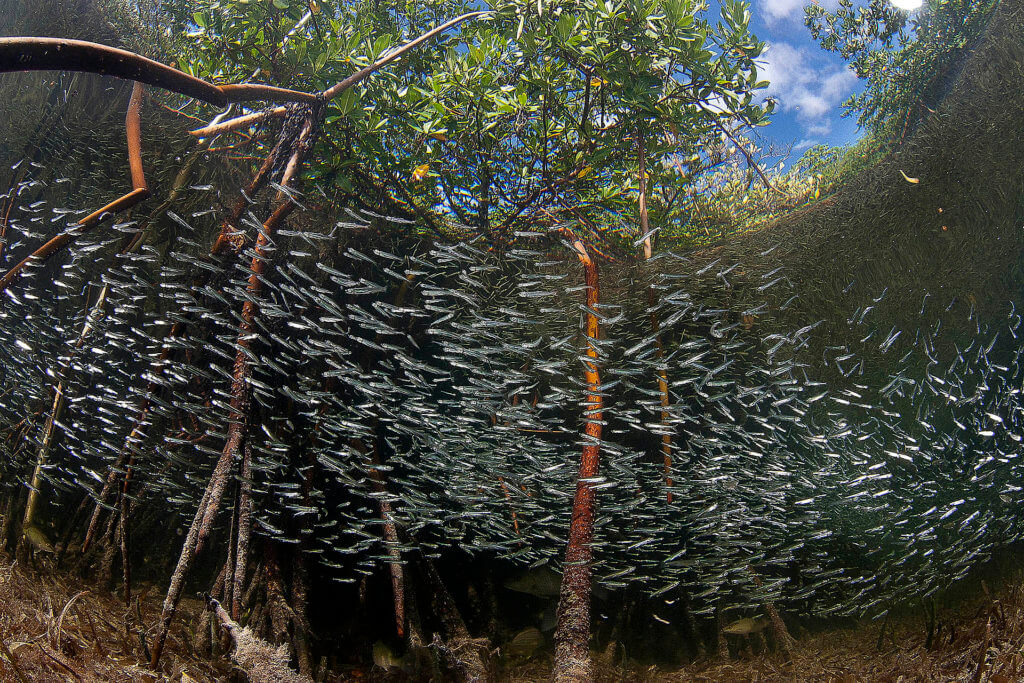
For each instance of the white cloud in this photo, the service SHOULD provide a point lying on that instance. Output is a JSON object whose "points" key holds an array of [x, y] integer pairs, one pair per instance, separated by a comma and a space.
{"points": [[777, 9], [805, 86], [806, 143], [774, 10]]}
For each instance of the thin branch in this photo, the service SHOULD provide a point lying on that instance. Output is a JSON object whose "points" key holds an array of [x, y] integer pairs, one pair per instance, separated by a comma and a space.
{"points": [[237, 122], [237, 91], [248, 92], [361, 75], [750, 159]]}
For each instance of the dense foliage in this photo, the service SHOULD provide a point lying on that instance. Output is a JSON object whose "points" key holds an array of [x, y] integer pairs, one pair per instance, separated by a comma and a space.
{"points": [[907, 60], [543, 113], [551, 113]]}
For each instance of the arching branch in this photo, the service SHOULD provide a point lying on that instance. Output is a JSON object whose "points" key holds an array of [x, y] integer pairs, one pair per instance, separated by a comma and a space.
{"points": [[340, 87], [58, 54], [139, 192]]}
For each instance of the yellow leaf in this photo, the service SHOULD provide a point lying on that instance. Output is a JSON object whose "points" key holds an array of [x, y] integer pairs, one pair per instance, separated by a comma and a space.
{"points": [[585, 171], [914, 181], [596, 82], [420, 172], [439, 136], [313, 7]]}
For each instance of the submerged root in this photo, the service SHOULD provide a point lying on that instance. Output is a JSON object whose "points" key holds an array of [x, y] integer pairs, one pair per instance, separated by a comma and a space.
{"points": [[261, 661], [468, 657], [464, 656]]}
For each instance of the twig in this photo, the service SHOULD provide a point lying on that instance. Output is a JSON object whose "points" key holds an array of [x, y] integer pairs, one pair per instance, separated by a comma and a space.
{"points": [[9, 656], [340, 87], [59, 660], [237, 122], [60, 620], [979, 671], [750, 159]]}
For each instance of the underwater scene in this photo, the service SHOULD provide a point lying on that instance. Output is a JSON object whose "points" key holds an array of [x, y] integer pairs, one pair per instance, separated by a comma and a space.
{"points": [[448, 341]]}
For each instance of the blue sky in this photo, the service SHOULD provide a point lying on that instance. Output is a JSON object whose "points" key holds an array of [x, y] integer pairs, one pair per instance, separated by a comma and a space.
{"points": [[808, 83]]}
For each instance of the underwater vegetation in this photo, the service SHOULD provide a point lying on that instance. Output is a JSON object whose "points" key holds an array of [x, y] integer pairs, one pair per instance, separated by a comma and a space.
{"points": [[801, 420]]}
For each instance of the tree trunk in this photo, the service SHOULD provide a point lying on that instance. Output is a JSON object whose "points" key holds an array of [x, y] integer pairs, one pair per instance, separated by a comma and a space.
{"points": [[572, 634], [644, 222]]}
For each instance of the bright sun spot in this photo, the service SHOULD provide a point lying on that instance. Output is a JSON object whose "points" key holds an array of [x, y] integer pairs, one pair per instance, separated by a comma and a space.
{"points": [[908, 5]]}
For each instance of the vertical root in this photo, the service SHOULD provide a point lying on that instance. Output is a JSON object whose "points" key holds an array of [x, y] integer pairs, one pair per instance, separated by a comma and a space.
{"points": [[572, 634], [300, 603], [122, 532], [242, 538], [783, 640], [280, 612], [177, 584], [205, 642], [111, 545], [206, 513]]}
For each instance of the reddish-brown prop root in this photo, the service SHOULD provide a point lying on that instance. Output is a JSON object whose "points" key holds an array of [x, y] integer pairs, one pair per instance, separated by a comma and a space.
{"points": [[572, 634]]}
